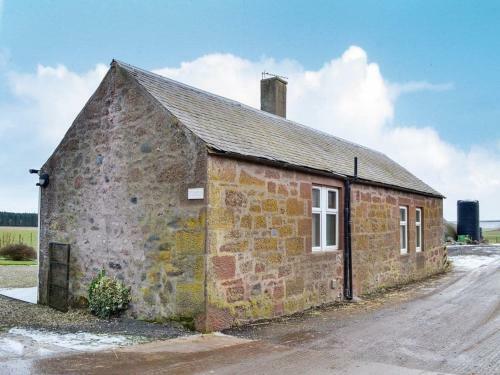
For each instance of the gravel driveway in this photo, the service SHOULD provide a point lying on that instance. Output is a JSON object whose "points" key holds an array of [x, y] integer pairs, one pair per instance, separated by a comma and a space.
{"points": [[18, 276]]}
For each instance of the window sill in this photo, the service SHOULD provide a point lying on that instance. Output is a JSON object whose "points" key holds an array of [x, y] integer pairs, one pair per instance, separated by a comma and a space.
{"points": [[325, 251]]}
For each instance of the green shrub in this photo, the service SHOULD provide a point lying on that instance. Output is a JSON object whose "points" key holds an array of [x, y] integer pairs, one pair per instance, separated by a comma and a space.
{"points": [[107, 296], [18, 252]]}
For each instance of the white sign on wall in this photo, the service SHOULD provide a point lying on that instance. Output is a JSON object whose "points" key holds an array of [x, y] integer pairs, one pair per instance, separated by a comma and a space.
{"points": [[195, 193]]}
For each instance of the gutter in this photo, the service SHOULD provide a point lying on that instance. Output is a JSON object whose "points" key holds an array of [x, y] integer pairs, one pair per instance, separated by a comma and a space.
{"points": [[273, 163], [281, 164], [348, 294]]}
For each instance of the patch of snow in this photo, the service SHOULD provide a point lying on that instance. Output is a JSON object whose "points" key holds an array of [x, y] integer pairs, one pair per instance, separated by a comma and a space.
{"points": [[9, 347], [42, 352], [83, 341], [471, 262], [22, 294]]}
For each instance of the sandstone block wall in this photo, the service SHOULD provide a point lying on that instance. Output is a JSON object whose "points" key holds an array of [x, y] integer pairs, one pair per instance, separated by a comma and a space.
{"points": [[260, 263], [376, 256], [118, 196]]}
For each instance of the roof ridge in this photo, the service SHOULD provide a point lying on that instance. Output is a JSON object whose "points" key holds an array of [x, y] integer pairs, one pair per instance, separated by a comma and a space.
{"points": [[235, 102], [231, 126]]}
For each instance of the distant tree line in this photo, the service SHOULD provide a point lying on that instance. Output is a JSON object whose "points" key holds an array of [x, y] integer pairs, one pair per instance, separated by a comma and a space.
{"points": [[13, 219]]}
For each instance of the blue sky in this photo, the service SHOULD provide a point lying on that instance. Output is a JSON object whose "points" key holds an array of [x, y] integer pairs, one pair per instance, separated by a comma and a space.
{"points": [[450, 45]]}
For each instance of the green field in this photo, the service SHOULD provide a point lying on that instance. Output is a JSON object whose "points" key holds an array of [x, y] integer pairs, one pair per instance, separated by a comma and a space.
{"points": [[492, 236], [15, 235]]}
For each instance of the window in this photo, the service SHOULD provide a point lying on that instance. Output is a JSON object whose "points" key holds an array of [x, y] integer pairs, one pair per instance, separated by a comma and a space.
{"points": [[418, 227], [325, 218], [403, 229]]}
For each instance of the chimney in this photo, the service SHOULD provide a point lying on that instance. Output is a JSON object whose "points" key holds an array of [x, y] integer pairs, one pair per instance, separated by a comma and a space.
{"points": [[273, 95]]}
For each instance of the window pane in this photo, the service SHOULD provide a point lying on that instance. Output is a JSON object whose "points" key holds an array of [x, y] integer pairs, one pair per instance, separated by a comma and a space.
{"points": [[402, 213], [331, 230], [316, 230], [316, 198], [417, 216], [332, 199], [418, 237], [403, 236]]}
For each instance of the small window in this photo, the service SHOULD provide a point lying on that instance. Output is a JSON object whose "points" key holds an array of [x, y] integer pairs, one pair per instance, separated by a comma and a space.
{"points": [[325, 219], [332, 199], [403, 228], [316, 197], [418, 228]]}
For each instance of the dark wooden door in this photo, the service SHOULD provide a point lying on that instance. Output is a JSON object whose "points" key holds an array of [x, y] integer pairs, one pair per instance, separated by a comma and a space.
{"points": [[58, 276]]}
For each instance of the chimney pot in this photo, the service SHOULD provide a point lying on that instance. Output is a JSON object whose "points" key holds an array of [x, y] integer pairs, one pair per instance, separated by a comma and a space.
{"points": [[273, 95]]}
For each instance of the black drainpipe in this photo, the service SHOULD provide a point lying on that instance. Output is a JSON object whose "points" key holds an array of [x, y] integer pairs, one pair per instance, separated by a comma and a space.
{"points": [[347, 234]]}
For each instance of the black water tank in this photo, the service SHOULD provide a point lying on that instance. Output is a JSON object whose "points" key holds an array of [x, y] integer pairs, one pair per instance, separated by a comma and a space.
{"points": [[468, 219]]}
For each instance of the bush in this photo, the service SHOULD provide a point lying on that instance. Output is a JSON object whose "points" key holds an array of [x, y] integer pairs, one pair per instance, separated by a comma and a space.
{"points": [[18, 252], [107, 296]]}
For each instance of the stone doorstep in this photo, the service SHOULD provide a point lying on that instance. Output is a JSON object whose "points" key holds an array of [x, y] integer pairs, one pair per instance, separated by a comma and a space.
{"points": [[187, 344]]}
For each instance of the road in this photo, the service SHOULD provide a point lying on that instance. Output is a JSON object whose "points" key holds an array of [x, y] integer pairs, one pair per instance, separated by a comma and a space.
{"points": [[448, 325]]}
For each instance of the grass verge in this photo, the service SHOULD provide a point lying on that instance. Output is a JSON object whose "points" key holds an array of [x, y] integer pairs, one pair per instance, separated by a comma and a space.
{"points": [[7, 262], [492, 236]]}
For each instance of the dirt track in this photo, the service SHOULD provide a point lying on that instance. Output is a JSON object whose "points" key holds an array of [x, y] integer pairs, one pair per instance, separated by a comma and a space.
{"points": [[446, 325]]}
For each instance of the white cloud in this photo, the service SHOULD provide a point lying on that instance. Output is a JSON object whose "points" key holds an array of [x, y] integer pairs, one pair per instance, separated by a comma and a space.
{"points": [[350, 98], [329, 98], [347, 96], [33, 120], [52, 97], [398, 89]]}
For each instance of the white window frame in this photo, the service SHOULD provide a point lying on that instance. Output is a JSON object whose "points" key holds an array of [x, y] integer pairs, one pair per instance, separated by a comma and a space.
{"points": [[418, 228], [324, 211], [403, 223]]}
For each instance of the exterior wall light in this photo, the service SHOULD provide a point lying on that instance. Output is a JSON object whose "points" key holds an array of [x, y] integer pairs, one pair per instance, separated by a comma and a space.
{"points": [[43, 181]]}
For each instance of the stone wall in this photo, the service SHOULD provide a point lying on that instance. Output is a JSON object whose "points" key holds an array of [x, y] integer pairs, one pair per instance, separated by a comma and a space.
{"points": [[376, 256], [260, 263], [118, 196]]}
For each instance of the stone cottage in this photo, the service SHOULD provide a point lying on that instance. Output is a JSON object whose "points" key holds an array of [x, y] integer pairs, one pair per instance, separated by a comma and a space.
{"points": [[214, 211]]}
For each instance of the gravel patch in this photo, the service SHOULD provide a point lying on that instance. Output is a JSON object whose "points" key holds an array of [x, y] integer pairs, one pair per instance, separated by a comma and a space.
{"points": [[18, 276], [20, 314]]}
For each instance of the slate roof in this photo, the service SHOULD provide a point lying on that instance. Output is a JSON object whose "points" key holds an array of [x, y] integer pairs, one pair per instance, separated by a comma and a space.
{"points": [[229, 126]]}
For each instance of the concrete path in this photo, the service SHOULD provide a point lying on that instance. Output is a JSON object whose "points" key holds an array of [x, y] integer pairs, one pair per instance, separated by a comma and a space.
{"points": [[19, 282], [447, 325], [22, 294]]}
